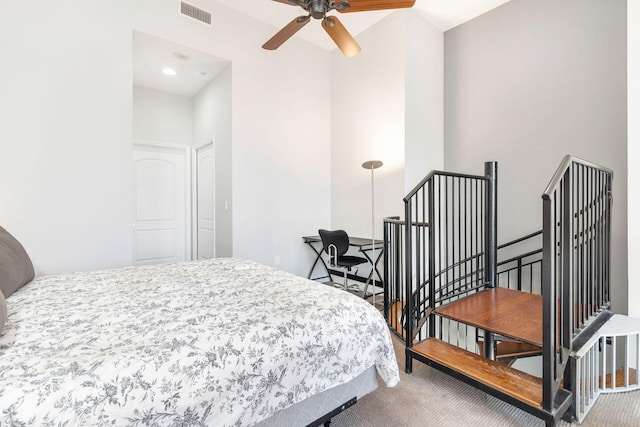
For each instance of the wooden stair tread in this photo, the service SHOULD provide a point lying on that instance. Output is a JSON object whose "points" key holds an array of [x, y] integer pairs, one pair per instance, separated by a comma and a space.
{"points": [[510, 349], [394, 317], [633, 378], [499, 376], [508, 312]]}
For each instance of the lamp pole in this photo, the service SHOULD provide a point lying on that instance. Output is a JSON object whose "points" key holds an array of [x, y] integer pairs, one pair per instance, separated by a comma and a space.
{"points": [[372, 165]]}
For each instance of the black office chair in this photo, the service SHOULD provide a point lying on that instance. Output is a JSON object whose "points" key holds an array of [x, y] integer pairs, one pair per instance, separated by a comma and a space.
{"points": [[336, 243]]}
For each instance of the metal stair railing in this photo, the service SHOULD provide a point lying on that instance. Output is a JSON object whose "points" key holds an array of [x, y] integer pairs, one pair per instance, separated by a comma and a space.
{"points": [[393, 267], [453, 256], [576, 263], [518, 268], [520, 263], [450, 251]]}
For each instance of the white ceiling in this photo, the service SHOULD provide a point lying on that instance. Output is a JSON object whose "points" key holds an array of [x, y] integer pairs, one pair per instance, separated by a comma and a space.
{"points": [[195, 69]]}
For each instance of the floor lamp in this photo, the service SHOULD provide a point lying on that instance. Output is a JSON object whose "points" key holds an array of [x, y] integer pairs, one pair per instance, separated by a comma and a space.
{"points": [[371, 165]]}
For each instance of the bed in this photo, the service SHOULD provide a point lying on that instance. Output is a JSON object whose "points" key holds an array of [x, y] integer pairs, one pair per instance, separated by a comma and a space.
{"points": [[222, 342]]}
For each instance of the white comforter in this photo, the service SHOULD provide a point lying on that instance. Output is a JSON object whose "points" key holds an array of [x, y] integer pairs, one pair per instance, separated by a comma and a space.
{"points": [[220, 342]]}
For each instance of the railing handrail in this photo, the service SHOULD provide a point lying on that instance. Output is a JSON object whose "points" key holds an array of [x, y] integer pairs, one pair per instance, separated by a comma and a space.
{"points": [[395, 220], [523, 256], [474, 272], [520, 239], [442, 173], [480, 254], [566, 163], [576, 262]]}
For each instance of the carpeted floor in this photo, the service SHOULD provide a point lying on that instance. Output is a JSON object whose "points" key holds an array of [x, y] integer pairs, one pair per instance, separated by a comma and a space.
{"points": [[428, 397]]}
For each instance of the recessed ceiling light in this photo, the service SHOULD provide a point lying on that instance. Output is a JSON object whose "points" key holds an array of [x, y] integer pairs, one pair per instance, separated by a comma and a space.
{"points": [[181, 55], [169, 71]]}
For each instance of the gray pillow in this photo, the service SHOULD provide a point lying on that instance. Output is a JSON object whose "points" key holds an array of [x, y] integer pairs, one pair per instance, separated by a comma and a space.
{"points": [[3, 311], [16, 268]]}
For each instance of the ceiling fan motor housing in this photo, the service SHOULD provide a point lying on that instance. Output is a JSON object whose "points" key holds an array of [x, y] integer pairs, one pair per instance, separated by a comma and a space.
{"points": [[318, 8]]}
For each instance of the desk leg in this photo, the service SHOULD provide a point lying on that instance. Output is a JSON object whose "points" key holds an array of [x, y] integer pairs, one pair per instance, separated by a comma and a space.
{"points": [[374, 267], [318, 258]]}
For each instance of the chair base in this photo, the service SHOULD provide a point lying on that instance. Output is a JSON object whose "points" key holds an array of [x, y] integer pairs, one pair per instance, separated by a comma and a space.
{"points": [[339, 285], [346, 285]]}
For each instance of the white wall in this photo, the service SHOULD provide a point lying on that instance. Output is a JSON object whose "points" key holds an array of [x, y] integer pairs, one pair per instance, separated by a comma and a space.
{"points": [[424, 74], [367, 123], [162, 117], [633, 152], [386, 105], [65, 138], [525, 90], [66, 107], [212, 122], [281, 176]]}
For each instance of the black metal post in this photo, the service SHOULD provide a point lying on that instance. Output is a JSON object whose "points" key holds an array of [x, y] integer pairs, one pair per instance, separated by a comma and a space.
{"points": [[520, 274], [491, 243], [385, 262], [397, 233], [548, 301], [607, 256], [408, 304], [431, 269], [565, 293]]}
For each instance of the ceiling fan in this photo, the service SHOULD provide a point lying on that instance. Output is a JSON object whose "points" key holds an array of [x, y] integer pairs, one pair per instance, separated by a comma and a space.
{"points": [[318, 9]]}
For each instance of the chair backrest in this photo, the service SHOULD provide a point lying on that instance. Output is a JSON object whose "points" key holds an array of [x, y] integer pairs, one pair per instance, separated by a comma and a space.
{"points": [[338, 238]]}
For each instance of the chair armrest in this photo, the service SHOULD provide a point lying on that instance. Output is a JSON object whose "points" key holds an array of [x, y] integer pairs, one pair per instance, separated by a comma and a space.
{"points": [[333, 255]]}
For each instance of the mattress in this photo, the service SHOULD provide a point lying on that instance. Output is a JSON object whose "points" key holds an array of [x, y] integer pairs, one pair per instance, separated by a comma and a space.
{"points": [[216, 342]]}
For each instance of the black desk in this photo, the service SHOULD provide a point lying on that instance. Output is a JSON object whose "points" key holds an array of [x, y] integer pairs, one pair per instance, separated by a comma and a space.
{"points": [[364, 246]]}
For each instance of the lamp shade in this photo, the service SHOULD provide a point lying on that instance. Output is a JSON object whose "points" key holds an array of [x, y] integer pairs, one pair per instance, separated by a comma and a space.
{"points": [[372, 164]]}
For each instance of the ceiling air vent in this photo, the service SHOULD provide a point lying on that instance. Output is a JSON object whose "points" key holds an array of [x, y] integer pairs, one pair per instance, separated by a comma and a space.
{"points": [[195, 13]]}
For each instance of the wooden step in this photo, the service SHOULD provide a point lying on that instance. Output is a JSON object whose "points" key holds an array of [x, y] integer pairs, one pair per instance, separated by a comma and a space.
{"points": [[394, 317], [633, 378], [496, 375], [513, 349], [507, 312]]}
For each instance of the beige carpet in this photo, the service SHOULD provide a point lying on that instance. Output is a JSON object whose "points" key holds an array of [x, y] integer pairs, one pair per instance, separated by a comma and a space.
{"points": [[428, 397]]}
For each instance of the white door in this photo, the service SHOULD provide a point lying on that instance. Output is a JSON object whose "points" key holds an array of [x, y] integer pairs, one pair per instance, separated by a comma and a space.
{"points": [[161, 204], [205, 202]]}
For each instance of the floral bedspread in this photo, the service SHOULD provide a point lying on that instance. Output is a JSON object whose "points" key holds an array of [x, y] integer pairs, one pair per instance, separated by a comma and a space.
{"points": [[221, 342]]}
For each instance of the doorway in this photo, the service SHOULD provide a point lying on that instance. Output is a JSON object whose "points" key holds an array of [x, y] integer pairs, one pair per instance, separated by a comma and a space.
{"points": [[177, 112], [204, 238], [162, 196]]}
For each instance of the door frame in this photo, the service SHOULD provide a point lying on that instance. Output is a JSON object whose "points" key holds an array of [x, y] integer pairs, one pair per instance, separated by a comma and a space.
{"points": [[186, 149], [194, 197]]}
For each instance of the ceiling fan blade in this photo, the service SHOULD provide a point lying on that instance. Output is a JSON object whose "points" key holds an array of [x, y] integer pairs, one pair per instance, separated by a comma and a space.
{"points": [[365, 5], [285, 34], [340, 36]]}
